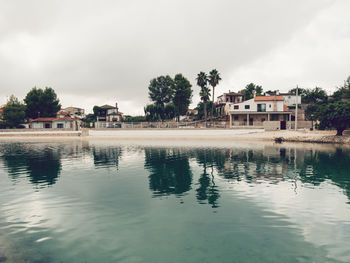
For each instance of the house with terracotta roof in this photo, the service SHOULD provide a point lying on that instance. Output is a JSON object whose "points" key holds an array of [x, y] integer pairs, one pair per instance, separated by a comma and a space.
{"points": [[55, 123], [108, 116], [256, 111]]}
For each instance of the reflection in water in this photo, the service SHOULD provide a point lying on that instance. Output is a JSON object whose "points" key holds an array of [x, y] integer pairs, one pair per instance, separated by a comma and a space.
{"points": [[321, 166], [170, 171], [41, 163], [106, 156], [246, 191], [207, 190]]}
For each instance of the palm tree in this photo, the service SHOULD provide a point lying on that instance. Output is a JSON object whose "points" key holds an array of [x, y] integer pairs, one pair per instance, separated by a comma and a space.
{"points": [[202, 81], [214, 78], [205, 97]]}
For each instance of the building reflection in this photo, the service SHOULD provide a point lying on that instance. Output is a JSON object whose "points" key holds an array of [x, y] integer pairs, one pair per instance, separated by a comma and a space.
{"points": [[106, 156], [170, 171]]}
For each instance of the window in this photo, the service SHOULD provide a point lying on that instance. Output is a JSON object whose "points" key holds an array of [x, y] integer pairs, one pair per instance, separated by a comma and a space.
{"points": [[235, 117], [261, 107], [236, 107], [59, 125], [274, 117], [247, 107]]}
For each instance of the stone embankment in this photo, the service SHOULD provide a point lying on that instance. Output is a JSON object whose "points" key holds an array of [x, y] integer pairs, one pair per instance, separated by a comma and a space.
{"points": [[308, 137]]}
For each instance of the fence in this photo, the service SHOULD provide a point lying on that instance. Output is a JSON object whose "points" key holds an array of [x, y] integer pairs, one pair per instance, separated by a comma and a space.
{"points": [[169, 125]]}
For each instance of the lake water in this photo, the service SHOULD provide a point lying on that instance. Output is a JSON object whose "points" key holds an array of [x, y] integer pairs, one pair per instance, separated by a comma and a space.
{"points": [[100, 201]]}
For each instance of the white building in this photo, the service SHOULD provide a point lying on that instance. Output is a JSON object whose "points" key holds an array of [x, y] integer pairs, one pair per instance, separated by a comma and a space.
{"points": [[255, 111], [55, 123]]}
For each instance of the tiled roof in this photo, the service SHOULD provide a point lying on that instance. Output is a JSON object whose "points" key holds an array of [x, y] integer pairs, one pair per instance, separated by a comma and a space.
{"points": [[52, 119], [268, 98]]}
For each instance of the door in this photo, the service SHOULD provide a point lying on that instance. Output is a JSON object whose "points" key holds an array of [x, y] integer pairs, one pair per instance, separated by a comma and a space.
{"points": [[283, 125]]}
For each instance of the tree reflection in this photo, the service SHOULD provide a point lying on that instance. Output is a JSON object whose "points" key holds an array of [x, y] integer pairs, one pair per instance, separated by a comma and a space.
{"points": [[322, 166], [170, 171], [207, 190], [41, 164]]}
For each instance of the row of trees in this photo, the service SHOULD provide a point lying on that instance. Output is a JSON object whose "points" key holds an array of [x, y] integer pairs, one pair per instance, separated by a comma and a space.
{"points": [[170, 97], [37, 103]]}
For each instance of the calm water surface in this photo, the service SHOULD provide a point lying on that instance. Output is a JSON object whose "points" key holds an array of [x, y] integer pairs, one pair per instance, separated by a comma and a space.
{"points": [[95, 201]]}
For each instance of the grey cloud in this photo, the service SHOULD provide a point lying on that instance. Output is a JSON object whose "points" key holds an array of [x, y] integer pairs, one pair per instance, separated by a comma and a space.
{"points": [[111, 49]]}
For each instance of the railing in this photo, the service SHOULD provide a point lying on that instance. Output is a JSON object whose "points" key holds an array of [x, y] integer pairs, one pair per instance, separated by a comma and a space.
{"points": [[245, 123], [169, 125]]}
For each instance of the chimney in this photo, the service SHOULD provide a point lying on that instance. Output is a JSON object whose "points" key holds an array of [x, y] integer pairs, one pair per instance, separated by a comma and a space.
{"points": [[116, 106], [254, 93]]}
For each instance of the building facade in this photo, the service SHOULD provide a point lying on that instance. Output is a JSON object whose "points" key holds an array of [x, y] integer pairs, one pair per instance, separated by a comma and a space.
{"points": [[256, 111], [225, 100], [109, 116], [55, 123]]}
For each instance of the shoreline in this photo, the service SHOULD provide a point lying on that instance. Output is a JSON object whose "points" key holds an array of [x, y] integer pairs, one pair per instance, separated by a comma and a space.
{"points": [[300, 136]]}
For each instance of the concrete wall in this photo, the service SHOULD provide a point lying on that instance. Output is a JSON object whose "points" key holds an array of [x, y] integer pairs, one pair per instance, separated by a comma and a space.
{"points": [[302, 125], [272, 125]]}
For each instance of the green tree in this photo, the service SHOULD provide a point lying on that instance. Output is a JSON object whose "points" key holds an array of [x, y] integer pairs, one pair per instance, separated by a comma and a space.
{"points": [[161, 90], [128, 118], [200, 109], [182, 95], [89, 118], [13, 113], [153, 112], [161, 93], [249, 90], [202, 81], [213, 79], [316, 95], [335, 115], [41, 103], [311, 113], [96, 110], [343, 92], [272, 92], [301, 92]]}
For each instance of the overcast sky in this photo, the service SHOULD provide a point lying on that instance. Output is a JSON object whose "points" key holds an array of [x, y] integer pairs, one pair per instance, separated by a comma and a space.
{"points": [[98, 52]]}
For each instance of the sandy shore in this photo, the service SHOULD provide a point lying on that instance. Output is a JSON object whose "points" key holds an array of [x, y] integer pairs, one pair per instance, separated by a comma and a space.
{"points": [[223, 135], [200, 135]]}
